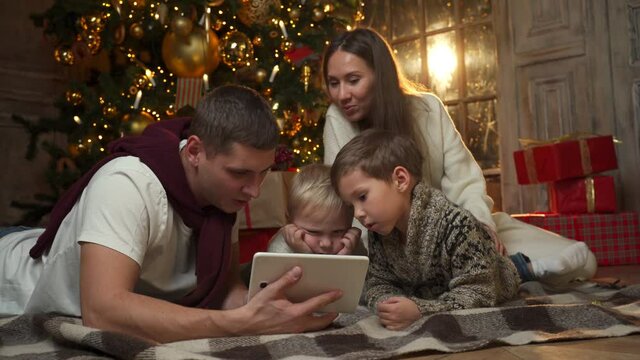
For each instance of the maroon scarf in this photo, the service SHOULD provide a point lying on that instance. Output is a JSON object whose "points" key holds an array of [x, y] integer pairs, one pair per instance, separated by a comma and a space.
{"points": [[158, 147]]}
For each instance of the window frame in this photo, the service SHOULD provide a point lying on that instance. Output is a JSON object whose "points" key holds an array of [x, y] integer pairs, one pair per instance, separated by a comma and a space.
{"points": [[463, 99]]}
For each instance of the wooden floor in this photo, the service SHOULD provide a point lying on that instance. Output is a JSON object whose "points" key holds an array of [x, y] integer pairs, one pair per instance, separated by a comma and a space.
{"points": [[619, 348]]}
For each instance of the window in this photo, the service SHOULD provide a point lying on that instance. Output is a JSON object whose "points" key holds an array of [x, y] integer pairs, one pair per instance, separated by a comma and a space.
{"points": [[449, 46]]}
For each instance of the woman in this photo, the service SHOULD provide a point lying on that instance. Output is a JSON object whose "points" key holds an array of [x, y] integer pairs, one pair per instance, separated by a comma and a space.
{"points": [[367, 90]]}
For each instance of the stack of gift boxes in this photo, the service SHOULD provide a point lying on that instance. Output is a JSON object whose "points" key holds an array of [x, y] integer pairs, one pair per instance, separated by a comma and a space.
{"points": [[582, 204]]}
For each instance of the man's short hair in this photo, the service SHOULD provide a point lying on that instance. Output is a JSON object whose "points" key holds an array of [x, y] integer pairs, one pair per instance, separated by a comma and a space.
{"points": [[311, 189], [234, 114], [377, 153]]}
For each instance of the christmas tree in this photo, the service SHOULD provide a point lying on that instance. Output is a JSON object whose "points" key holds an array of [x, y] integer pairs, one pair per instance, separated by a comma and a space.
{"points": [[141, 61]]}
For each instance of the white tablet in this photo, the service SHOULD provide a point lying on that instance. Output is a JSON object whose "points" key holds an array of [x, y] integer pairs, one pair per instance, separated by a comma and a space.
{"points": [[320, 273]]}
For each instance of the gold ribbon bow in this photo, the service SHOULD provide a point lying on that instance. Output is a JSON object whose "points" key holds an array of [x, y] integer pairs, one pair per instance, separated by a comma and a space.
{"points": [[578, 135]]}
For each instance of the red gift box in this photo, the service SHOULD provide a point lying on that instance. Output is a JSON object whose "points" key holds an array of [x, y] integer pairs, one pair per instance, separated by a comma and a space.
{"points": [[613, 238], [565, 159], [585, 195], [269, 209]]}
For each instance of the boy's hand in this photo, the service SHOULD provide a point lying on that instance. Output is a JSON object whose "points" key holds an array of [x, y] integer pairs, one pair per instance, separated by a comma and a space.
{"points": [[397, 313], [294, 237], [350, 241]]}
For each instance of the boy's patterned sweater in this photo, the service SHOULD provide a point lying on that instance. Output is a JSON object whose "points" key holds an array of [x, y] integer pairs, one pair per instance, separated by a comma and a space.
{"points": [[447, 262]]}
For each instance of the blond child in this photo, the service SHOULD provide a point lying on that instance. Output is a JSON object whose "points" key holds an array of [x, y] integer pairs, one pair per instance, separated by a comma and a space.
{"points": [[426, 254], [319, 219]]}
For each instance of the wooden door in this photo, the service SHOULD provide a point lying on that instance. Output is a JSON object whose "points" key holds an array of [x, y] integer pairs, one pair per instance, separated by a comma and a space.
{"points": [[624, 37]]}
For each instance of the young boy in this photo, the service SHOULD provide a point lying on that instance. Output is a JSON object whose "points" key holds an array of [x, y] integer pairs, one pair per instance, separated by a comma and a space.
{"points": [[426, 254], [320, 222], [318, 217]]}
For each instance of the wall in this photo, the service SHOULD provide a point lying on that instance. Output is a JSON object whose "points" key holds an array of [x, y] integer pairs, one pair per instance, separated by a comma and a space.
{"points": [[29, 81]]}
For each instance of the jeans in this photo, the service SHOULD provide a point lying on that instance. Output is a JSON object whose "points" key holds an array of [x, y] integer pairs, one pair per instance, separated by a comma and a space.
{"points": [[521, 261]]}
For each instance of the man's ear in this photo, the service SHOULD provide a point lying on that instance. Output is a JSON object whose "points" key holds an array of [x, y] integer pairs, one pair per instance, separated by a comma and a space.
{"points": [[193, 148], [401, 178]]}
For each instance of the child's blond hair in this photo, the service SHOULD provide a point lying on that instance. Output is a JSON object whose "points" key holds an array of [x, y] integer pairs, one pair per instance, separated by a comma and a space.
{"points": [[311, 189]]}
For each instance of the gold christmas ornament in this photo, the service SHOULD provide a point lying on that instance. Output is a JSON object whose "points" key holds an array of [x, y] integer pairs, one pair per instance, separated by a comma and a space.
{"points": [[214, 3], [318, 14], [257, 40], [136, 31], [294, 14], [261, 75], [192, 55], [92, 22], [92, 40], [273, 34], [119, 33], [236, 49], [181, 25], [73, 97], [137, 4], [64, 55], [137, 122], [80, 49], [258, 12]]}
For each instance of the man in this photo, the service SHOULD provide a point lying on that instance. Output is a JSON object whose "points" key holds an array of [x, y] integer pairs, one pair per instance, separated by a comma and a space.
{"points": [[143, 243]]}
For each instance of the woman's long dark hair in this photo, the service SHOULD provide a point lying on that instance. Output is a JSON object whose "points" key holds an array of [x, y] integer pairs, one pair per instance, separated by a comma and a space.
{"points": [[391, 108]]}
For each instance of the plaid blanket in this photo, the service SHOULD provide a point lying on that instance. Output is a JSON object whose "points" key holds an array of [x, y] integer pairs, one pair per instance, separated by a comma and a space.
{"points": [[539, 315]]}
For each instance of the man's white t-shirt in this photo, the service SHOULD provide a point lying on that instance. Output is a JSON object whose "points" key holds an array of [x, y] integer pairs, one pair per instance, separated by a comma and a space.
{"points": [[125, 208]]}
